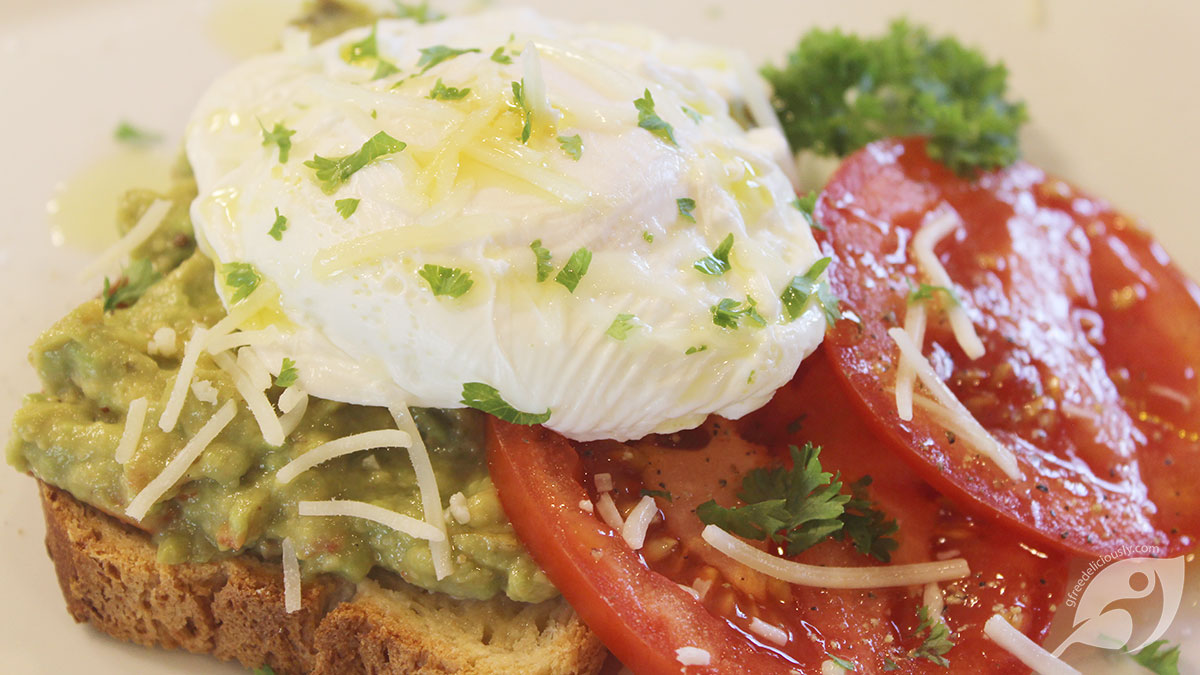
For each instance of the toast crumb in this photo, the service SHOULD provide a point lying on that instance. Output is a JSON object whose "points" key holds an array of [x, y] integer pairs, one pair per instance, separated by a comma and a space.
{"points": [[233, 609]]}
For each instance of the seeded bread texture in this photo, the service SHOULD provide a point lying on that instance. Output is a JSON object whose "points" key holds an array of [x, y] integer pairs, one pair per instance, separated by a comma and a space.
{"points": [[233, 609]]}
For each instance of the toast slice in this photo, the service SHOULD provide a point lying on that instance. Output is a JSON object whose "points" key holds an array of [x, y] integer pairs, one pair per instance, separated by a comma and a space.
{"points": [[233, 609]]}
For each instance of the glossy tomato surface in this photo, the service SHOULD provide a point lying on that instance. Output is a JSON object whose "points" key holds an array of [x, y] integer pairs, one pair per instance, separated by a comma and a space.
{"points": [[633, 599], [1092, 344]]}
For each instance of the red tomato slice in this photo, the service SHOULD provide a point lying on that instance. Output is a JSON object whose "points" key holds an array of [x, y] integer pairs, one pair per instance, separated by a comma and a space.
{"points": [[1092, 339], [633, 599]]}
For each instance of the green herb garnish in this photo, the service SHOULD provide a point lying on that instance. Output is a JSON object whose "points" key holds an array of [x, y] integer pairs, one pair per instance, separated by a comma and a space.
{"points": [[665, 494], [717, 263], [431, 56], [500, 57], [487, 398], [287, 374], [278, 227], [810, 287], [441, 92], [692, 114], [279, 136], [572, 145], [844, 664], [243, 278], [686, 205], [420, 12], [839, 92], [366, 48], [650, 121], [728, 312], [576, 267], [133, 135], [807, 205], [449, 281], [132, 284], [346, 207], [518, 89], [333, 172], [647, 236], [925, 292], [696, 349], [936, 644], [542, 254], [384, 68], [866, 526], [1158, 660], [621, 326]]}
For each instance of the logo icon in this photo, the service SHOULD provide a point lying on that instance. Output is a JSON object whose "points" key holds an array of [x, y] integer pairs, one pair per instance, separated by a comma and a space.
{"points": [[1104, 599]]}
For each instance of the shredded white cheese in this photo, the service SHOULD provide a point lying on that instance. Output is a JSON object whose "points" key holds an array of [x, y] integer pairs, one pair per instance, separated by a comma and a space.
{"points": [[179, 465], [828, 667], [769, 632], [692, 656], [1027, 651], [244, 310], [931, 598], [204, 392], [291, 577], [586, 505], [458, 508], [135, 420], [242, 338], [604, 482], [291, 417], [376, 514], [906, 373], [935, 228], [633, 531], [179, 389], [368, 440], [256, 400], [291, 397], [702, 586], [431, 497], [146, 226], [254, 368], [607, 509], [981, 440], [833, 577]]}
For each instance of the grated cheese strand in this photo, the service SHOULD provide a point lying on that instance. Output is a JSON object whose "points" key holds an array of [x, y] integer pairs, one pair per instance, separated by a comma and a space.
{"points": [[931, 598], [692, 656], [243, 311], [256, 400], [368, 440], [291, 418], [607, 509], [638, 522], [291, 397], [146, 226], [179, 465], [769, 632], [255, 370], [431, 498], [1025, 650], [135, 420], [906, 373], [982, 441], [183, 378], [832, 577], [932, 231], [244, 338], [376, 514], [291, 577]]}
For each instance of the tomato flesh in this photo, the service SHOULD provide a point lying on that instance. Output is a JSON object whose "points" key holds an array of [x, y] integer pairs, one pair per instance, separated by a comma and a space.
{"points": [[633, 600], [1092, 348]]}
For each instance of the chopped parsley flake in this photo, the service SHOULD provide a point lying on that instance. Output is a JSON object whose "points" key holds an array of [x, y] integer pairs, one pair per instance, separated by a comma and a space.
{"points": [[544, 268], [621, 326], [279, 136], [686, 205], [346, 207], [287, 374], [925, 292], [431, 56], [133, 135], [572, 145], [263, 670], [518, 89], [728, 312], [695, 350], [441, 92], [692, 114], [809, 287], [665, 494], [576, 267], [647, 236], [333, 172], [650, 121], [420, 12], [279, 226], [1164, 662], [449, 281], [500, 57], [806, 205], [366, 48], [717, 263], [133, 283], [487, 398], [384, 69], [242, 278], [936, 644], [844, 664]]}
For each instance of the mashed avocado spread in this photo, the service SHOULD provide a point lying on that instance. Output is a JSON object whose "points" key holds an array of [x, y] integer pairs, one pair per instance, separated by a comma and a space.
{"points": [[93, 363]]}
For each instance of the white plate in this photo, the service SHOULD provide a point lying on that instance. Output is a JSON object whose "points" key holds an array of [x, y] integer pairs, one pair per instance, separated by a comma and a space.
{"points": [[1113, 91]]}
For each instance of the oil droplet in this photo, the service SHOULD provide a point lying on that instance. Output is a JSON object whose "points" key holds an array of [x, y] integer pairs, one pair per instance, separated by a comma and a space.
{"points": [[247, 27], [83, 210]]}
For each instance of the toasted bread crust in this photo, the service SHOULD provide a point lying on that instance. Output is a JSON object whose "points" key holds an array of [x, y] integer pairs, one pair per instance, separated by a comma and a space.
{"points": [[233, 609]]}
